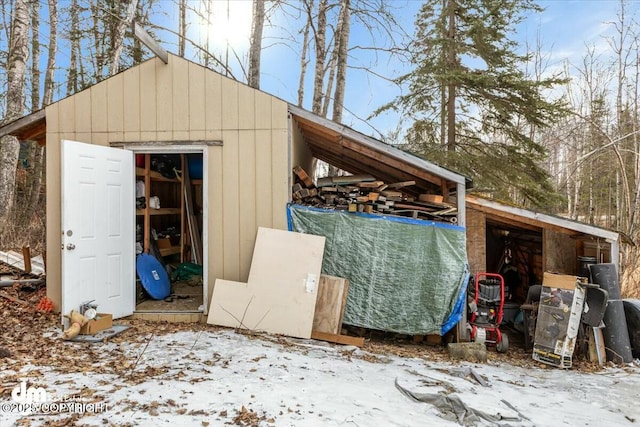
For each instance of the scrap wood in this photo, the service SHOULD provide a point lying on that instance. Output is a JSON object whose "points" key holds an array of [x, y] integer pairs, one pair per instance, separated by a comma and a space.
{"points": [[401, 184], [338, 339], [452, 408]]}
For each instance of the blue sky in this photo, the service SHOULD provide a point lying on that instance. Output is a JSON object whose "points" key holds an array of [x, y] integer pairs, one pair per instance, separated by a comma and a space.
{"points": [[566, 28]]}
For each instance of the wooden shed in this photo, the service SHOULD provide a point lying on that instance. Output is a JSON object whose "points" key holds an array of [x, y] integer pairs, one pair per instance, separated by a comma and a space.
{"points": [[523, 244], [117, 143]]}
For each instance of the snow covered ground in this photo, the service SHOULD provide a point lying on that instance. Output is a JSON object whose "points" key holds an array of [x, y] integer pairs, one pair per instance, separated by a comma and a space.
{"points": [[218, 377]]}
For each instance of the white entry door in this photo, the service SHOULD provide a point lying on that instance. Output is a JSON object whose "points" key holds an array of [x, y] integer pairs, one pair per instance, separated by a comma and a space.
{"points": [[98, 241]]}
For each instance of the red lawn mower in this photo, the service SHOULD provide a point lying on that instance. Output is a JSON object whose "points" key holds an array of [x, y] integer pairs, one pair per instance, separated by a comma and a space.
{"points": [[486, 309]]}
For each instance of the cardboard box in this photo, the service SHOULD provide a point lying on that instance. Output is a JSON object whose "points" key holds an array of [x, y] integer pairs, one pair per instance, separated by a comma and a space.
{"points": [[559, 313], [164, 243], [562, 281], [101, 322]]}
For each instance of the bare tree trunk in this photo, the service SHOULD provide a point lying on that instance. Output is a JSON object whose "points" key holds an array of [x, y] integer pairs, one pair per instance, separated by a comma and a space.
{"points": [[51, 52], [331, 72], [74, 36], [119, 38], [35, 56], [16, 71], [255, 49], [344, 26], [320, 41], [305, 47], [182, 28], [451, 98]]}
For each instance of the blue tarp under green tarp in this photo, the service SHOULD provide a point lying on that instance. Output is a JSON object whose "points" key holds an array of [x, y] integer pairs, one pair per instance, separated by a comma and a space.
{"points": [[406, 276]]}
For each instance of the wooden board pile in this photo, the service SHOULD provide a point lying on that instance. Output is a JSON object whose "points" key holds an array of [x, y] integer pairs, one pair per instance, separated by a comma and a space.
{"points": [[364, 193]]}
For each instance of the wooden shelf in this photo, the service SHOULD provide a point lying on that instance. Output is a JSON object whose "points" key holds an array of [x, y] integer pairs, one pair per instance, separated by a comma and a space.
{"points": [[156, 176], [161, 211], [170, 251]]}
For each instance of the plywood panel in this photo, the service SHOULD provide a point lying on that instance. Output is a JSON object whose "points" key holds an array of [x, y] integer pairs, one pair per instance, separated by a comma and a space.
{"points": [[264, 201], [247, 199], [196, 98], [231, 205], [164, 96], [229, 104], [67, 115], [281, 171], [263, 110], [131, 84], [213, 101], [246, 107], [82, 111], [330, 304], [181, 107], [148, 95], [115, 103], [281, 294], [99, 107]]}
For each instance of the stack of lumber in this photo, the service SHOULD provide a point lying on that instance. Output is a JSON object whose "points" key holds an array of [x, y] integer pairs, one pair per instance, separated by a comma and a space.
{"points": [[364, 193]]}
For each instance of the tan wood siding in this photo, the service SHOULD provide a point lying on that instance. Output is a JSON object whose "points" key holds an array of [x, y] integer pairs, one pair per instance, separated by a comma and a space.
{"points": [[215, 218], [301, 155], [115, 104], [248, 176], [54, 217], [180, 111], [263, 110], [246, 107], [83, 112], [264, 201], [229, 105], [164, 97], [281, 175], [148, 101], [213, 105], [99, 108], [231, 205], [131, 113], [247, 200], [196, 100], [67, 115]]}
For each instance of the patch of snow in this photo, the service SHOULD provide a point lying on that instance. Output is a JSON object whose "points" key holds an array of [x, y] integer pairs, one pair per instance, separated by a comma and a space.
{"points": [[192, 378]]}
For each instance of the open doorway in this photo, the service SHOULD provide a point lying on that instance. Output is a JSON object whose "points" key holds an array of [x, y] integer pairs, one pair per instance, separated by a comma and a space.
{"points": [[169, 217], [516, 254]]}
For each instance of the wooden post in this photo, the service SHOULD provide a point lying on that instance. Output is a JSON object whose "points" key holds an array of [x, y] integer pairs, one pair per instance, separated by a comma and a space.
{"points": [[26, 255]]}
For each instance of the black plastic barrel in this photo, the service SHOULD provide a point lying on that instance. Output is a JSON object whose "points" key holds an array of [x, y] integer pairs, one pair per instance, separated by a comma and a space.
{"points": [[616, 335], [583, 266]]}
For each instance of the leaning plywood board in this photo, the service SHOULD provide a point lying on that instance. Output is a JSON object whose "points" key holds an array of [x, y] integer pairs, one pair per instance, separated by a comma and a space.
{"points": [[280, 296], [332, 297]]}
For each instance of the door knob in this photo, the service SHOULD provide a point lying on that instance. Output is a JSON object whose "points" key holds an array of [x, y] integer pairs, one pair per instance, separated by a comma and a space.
{"points": [[71, 246]]}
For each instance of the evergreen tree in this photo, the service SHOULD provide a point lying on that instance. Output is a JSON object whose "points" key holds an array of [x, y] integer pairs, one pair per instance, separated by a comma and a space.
{"points": [[473, 107]]}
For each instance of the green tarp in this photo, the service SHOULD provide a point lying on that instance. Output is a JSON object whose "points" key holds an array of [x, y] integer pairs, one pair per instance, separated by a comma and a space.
{"points": [[406, 276]]}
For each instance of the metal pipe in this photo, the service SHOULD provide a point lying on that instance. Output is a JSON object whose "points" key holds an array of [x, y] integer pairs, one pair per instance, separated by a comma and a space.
{"points": [[7, 283]]}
